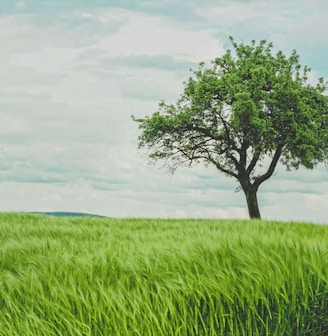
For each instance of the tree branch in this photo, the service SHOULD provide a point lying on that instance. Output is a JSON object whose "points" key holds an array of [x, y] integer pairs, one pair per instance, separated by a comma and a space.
{"points": [[253, 163], [193, 156], [227, 130], [269, 172], [243, 154], [204, 131], [219, 167]]}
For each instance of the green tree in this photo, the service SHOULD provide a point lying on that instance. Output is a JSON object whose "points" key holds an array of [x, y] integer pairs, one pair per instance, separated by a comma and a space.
{"points": [[246, 112]]}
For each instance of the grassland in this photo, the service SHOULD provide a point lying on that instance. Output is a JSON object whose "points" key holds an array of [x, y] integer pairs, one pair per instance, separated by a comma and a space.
{"points": [[85, 276]]}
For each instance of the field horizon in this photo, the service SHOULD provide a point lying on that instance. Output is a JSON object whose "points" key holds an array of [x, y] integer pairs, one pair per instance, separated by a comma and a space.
{"points": [[112, 276], [67, 214]]}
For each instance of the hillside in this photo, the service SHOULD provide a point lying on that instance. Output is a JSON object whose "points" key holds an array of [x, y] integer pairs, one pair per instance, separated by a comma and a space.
{"points": [[68, 214]]}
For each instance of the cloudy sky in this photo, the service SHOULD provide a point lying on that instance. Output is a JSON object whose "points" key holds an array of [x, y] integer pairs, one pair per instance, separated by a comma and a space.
{"points": [[74, 71]]}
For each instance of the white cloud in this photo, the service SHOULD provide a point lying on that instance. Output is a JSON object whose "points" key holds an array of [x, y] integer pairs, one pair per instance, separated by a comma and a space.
{"points": [[276, 21], [296, 207], [48, 60], [143, 34], [241, 18]]}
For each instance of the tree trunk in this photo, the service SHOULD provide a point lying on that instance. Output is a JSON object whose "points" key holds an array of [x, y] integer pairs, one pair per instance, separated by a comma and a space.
{"points": [[252, 204]]}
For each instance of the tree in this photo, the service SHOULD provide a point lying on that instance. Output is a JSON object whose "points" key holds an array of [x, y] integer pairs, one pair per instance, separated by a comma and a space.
{"points": [[248, 111]]}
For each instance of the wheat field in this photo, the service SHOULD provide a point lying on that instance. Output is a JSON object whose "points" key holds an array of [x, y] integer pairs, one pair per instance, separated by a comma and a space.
{"points": [[146, 277]]}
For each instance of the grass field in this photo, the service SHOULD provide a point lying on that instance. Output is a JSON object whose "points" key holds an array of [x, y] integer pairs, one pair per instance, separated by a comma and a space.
{"points": [[86, 276]]}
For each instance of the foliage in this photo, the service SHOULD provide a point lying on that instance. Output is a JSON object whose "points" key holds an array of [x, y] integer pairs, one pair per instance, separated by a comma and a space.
{"points": [[161, 277], [250, 109]]}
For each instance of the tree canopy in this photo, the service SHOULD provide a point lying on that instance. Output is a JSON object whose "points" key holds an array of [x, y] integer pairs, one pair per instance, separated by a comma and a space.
{"points": [[249, 109]]}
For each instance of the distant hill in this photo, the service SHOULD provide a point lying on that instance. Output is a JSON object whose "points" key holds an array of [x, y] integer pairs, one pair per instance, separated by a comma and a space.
{"points": [[69, 214]]}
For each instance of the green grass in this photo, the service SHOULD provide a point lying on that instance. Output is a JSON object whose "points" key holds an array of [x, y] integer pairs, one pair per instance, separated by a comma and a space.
{"points": [[86, 276]]}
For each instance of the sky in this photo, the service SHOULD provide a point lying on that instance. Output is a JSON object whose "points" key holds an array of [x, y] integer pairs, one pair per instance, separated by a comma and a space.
{"points": [[74, 71]]}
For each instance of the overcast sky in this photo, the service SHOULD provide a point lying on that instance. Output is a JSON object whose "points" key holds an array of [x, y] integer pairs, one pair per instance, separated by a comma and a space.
{"points": [[74, 71]]}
